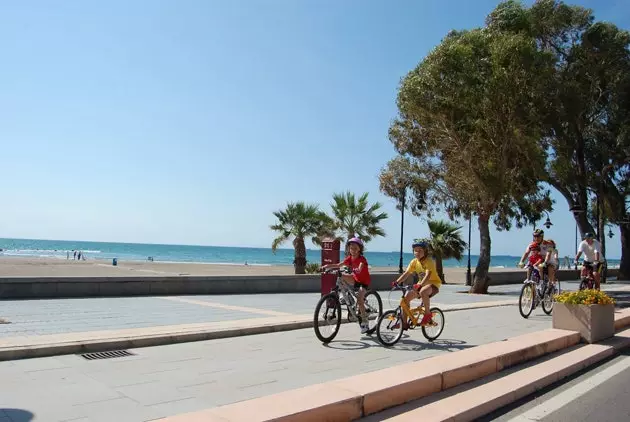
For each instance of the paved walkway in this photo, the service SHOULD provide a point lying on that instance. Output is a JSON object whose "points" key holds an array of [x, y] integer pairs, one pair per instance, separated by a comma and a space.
{"points": [[168, 380], [59, 316]]}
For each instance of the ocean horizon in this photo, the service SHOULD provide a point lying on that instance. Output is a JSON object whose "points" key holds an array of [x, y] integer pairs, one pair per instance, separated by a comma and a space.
{"points": [[226, 255]]}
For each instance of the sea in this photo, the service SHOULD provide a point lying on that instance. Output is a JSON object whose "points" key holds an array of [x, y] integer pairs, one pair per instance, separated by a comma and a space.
{"points": [[209, 254]]}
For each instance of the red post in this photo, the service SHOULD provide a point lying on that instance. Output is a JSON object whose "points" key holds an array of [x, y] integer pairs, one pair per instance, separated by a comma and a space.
{"points": [[330, 255]]}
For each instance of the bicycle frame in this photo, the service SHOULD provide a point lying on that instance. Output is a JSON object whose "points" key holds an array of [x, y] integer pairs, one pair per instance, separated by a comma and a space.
{"points": [[408, 312], [346, 292]]}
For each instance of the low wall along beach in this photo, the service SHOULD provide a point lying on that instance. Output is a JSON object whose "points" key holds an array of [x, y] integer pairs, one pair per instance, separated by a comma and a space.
{"points": [[50, 287]]}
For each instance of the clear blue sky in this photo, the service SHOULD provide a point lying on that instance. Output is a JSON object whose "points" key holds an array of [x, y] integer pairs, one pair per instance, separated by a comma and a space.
{"points": [[191, 121]]}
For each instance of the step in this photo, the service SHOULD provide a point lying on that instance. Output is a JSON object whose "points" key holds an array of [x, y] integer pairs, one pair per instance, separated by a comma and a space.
{"points": [[622, 318], [478, 401], [350, 398]]}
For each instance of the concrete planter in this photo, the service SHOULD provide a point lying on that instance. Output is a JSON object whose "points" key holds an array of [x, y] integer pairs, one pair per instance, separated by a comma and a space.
{"points": [[593, 322]]}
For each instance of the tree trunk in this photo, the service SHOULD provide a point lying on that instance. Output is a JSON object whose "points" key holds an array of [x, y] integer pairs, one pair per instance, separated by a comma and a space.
{"points": [[480, 277], [584, 226], [601, 228], [300, 255], [439, 267], [624, 265]]}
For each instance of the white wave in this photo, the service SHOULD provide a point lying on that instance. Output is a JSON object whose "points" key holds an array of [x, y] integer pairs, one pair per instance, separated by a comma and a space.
{"points": [[53, 251]]}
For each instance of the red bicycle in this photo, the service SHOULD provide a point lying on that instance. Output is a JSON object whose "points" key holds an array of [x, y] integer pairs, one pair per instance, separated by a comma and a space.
{"points": [[587, 276]]}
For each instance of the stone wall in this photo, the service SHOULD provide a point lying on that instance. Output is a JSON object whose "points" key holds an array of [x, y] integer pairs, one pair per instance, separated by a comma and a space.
{"points": [[49, 287]]}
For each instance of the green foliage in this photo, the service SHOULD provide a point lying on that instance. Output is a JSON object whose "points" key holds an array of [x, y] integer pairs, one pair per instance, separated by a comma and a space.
{"points": [[464, 125], [300, 220], [587, 115], [446, 241], [354, 216], [312, 268]]}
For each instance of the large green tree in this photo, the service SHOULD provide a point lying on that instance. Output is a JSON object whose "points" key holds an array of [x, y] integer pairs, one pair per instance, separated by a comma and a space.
{"points": [[300, 221], [355, 216], [464, 123], [585, 118]]}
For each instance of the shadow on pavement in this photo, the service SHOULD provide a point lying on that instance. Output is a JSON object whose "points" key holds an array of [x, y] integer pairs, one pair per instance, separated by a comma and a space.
{"points": [[405, 343], [622, 299], [17, 415]]}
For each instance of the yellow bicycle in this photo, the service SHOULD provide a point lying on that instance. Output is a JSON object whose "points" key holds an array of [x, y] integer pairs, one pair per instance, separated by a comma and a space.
{"points": [[390, 327]]}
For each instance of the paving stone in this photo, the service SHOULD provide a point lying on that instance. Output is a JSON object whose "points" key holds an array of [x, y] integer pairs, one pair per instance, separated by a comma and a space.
{"points": [[192, 376]]}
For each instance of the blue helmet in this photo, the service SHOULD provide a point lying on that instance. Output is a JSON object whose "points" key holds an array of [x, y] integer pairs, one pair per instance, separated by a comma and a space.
{"points": [[420, 244]]}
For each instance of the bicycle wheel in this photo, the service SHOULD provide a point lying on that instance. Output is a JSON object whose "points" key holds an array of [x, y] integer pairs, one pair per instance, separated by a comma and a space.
{"points": [[526, 300], [389, 327], [431, 332], [584, 284], [373, 309], [548, 300], [327, 324]]}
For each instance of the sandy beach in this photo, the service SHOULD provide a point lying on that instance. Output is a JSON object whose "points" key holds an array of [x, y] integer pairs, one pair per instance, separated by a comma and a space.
{"points": [[53, 267]]}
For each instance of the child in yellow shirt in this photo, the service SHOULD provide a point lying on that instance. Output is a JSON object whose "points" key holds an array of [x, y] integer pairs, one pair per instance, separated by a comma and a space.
{"points": [[430, 284]]}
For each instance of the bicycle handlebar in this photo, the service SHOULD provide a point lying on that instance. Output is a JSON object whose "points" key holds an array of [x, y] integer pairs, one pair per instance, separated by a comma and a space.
{"points": [[401, 287], [338, 271]]}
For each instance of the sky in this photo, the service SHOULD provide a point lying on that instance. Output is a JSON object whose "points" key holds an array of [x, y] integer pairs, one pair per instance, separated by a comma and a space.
{"points": [[191, 121]]}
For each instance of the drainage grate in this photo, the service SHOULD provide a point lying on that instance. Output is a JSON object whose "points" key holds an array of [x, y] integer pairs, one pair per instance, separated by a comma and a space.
{"points": [[107, 355]]}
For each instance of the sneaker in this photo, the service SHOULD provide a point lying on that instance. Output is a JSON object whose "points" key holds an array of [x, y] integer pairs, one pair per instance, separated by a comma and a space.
{"points": [[364, 328]]}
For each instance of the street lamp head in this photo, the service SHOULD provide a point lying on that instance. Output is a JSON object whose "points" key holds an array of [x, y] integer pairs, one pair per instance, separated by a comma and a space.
{"points": [[548, 223]]}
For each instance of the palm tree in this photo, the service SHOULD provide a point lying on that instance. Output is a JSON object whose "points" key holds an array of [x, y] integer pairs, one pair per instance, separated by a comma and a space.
{"points": [[445, 242], [300, 220], [355, 217]]}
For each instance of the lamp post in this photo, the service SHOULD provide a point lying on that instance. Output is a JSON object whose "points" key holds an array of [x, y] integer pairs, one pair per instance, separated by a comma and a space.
{"points": [[402, 228], [576, 209], [547, 223], [468, 273]]}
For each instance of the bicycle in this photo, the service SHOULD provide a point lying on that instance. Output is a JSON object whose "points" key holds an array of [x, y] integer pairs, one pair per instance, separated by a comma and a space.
{"points": [[331, 304], [587, 276], [535, 288], [393, 320]]}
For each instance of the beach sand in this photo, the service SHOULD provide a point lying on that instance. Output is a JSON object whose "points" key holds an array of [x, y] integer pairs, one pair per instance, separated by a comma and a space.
{"points": [[53, 267]]}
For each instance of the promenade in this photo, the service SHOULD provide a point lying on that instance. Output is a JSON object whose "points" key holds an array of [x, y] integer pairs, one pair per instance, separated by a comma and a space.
{"points": [[155, 382]]}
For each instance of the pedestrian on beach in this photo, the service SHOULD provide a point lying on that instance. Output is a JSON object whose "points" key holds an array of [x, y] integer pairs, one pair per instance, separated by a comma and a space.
{"points": [[74, 256]]}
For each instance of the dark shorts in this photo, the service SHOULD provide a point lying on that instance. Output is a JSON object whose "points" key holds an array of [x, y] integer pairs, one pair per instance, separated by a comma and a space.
{"points": [[595, 268]]}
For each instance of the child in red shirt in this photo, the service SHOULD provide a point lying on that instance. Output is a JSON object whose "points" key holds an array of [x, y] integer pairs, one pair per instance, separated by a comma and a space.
{"points": [[535, 258], [360, 277]]}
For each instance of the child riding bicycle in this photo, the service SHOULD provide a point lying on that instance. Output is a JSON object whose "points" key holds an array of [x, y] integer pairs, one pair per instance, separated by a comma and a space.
{"points": [[430, 284], [551, 261], [535, 260], [360, 277]]}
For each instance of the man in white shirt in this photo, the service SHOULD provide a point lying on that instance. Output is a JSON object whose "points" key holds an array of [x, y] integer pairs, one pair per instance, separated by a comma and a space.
{"points": [[591, 249]]}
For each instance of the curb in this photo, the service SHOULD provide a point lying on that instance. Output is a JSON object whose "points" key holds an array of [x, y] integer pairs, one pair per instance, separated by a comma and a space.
{"points": [[373, 392], [498, 393], [365, 394], [176, 334]]}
